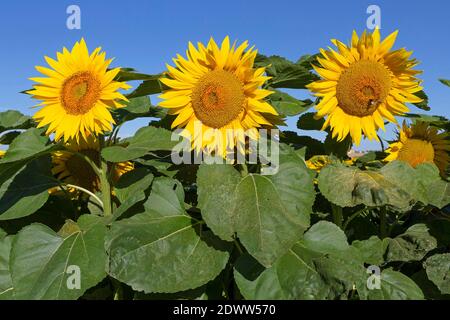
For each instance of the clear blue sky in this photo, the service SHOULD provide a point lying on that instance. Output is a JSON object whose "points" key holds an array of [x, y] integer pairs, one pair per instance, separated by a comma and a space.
{"points": [[147, 34]]}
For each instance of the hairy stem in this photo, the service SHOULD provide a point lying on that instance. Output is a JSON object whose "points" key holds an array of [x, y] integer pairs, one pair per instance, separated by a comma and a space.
{"points": [[337, 215], [104, 183]]}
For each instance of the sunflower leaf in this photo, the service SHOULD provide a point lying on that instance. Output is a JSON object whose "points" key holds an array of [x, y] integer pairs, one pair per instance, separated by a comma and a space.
{"points": [[12, 119], [27, 190], [44, 263], [438, 270], [145, 140], [163, 250], [270, 212]]}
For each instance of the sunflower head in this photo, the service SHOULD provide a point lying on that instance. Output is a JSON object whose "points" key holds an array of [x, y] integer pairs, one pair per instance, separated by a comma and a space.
{"points": [[364, 84], [73, 169], [77, 93], [216, 95], [421, 143]]}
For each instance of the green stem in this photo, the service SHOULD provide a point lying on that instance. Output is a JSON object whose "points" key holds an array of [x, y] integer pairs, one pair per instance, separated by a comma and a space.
{"points": [[381, 143], [87, 192], [90, 162], [104, 183], [337, 215], [244, 171], [383, 222], [353, 216]]}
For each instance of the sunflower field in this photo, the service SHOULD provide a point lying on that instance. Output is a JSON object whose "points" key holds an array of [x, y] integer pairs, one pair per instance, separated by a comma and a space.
{"points": [[196, 205]]}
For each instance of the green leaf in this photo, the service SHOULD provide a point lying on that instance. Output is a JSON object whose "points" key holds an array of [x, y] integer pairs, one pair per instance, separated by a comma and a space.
{"points": [[423, 183], [372, 250], [270, 212], [129, 74], [162, 254], [349, 187], [147, 87], [307, 122], [27, 190], [303, 272], [445, 81], [438, 271], [337, 148], [40, 259], [412, 245], [8, 137], [163, 249], [13, 119], [145, 140], [216, 198], [6, 286], [132, 183], [286, 105], [325, 237], [166, 198], [28, 145], [396, 286], [424, 104], [273, 211], [284, 73]]}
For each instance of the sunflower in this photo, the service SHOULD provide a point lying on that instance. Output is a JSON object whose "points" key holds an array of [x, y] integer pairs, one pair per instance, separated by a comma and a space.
{"points": [[318, 162], [216, 96], [363, 85], [2, 153], [77, 94], [421, 143], [74, 170]]}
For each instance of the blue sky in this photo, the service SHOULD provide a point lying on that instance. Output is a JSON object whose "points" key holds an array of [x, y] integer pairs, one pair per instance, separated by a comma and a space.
{"points": [[147, 34]]}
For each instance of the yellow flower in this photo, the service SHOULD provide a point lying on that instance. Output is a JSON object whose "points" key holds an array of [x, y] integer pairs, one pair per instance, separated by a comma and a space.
{"points": [[216, 96], [318, 162], [2, 153], [421, 143], [74, 170], [77, 94], [363, 85]]}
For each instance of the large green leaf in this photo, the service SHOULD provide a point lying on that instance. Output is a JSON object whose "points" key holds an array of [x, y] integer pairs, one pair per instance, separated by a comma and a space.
{"points": [[6, 286], [27, 190], [284, 73], [42, 262], [133, 182], [28, 145], [145, 140], [217, 197], [349, 186], [438, 271], [396, 286], [270, 212], [412, 245], [286, 105], [372, 250], [423, 183], [309, 270], [13, 119], [308, 122], [163, 249]]}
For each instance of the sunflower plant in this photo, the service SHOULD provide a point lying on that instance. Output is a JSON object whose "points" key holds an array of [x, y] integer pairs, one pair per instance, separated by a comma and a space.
{"points": [[77, 199]]}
